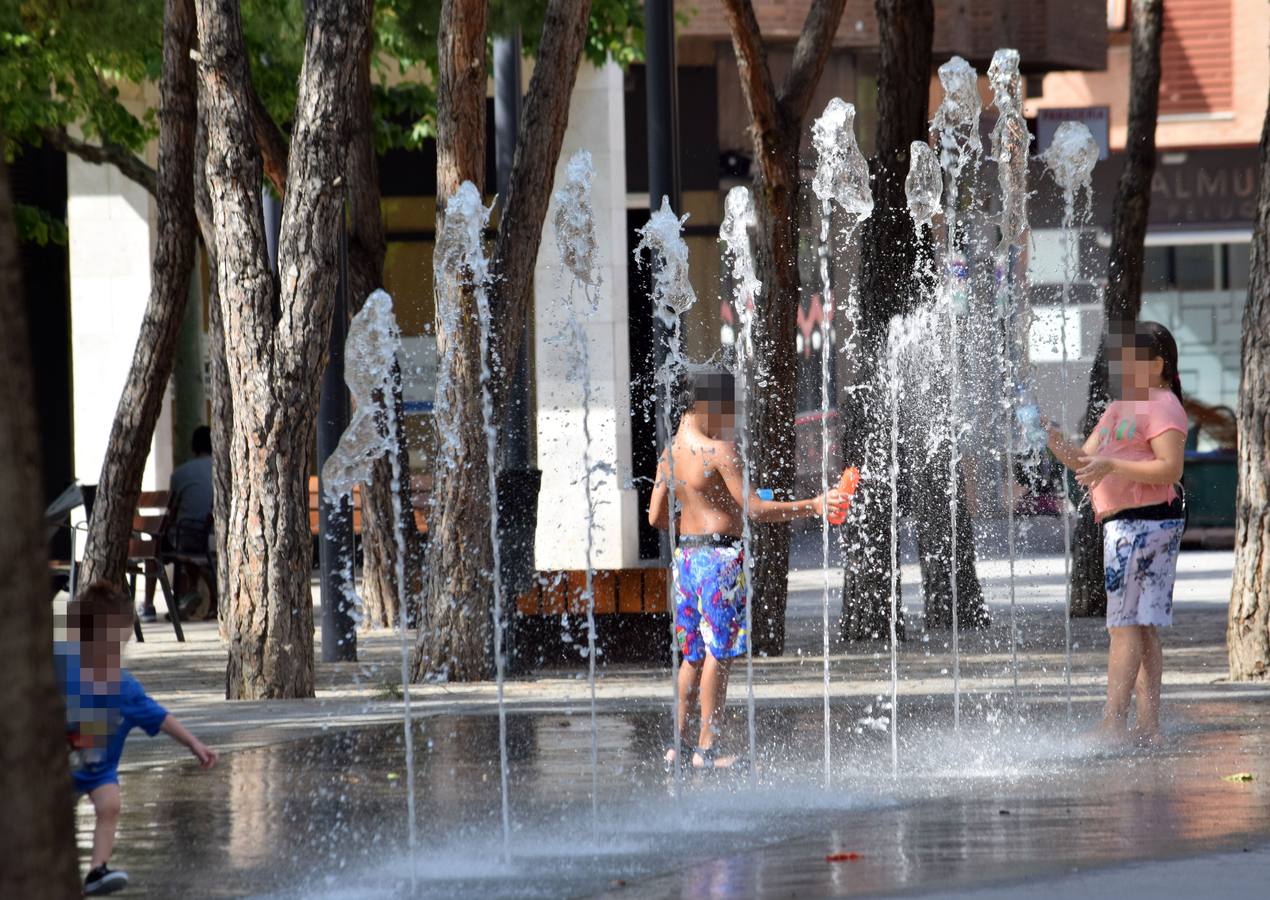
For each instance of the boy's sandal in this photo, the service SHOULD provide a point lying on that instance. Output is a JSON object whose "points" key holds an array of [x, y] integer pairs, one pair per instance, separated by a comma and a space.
{"points": [[709, 757]]}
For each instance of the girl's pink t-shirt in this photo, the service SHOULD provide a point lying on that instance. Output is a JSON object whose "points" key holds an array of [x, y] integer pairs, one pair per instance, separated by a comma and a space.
{"points": [[1125, 431]]}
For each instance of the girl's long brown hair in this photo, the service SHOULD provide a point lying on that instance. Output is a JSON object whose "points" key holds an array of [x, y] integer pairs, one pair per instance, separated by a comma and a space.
{"points": [[1156, 340]]}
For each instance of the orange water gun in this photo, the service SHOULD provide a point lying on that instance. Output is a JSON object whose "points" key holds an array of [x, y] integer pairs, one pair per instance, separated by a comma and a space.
{"points": [[847, 485]]}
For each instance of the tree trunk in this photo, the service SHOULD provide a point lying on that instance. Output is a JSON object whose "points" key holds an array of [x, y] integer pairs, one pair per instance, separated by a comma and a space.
{"points": [[454, 636], [222, 405], [37, 829], [366, 250], [1248, 634], [1123, 299], [110, 527], [888, 252], [456, 641], [276, 331], [776, 125], [775, 368]]}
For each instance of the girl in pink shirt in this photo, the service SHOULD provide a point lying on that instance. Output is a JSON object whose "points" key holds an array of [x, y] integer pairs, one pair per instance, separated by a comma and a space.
{"points": [[1131, 464]]}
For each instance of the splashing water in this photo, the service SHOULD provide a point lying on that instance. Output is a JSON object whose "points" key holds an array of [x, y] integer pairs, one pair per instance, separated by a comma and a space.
{"points": [[842, 177], [1071, 158], [575, 239], [842, 173], [575, 221], [1010, 140], [460, 264], [738, 219], [924, 185], [672, 296], [956, 122], [369, 353], [956, 125]]}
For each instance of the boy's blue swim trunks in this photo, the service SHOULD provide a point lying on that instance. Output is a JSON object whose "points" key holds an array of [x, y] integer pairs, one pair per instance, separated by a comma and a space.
{"points": [[710, 598]]}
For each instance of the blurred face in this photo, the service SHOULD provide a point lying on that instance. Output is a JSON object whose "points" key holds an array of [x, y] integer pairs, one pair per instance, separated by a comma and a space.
{"points": [[102, 648], [721, 418], [1135, 371]]}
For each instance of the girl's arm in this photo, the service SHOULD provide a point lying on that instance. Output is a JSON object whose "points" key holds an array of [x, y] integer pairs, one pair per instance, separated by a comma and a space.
{"points": [[1067, 452], [206, 757], [774, 510], [1166, 468], [658, 505]]}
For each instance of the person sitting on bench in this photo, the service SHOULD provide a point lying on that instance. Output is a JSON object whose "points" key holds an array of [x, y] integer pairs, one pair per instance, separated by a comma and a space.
{"points": [[189, 511]]}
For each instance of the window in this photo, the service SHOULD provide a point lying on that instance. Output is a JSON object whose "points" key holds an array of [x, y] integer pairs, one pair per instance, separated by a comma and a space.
{"points": [[1196, 267], [1196, 73]]}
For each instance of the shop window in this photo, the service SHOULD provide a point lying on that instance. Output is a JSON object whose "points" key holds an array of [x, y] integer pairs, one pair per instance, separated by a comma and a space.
{"points": [[1196, 267], [1237, 266], [1156, 271]]}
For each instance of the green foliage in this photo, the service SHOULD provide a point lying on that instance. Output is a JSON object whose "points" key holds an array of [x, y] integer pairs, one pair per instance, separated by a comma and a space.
{"points": [[616, 27], [63, 62], [37, 225]]}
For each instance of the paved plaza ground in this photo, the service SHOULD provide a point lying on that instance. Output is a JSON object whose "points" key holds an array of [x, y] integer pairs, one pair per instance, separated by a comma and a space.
{"points": [[309, 799]]}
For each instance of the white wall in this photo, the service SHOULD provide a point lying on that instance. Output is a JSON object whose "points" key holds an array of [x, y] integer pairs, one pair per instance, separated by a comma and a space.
{"points": [[595, 124], [109, 219]]}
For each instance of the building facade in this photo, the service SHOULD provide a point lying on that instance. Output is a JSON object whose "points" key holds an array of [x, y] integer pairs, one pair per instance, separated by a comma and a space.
{"points": [[1075, 59]]}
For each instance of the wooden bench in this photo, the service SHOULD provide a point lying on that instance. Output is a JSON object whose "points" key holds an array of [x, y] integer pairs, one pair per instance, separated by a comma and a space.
{"points": [[628, 591], [420, 489]]}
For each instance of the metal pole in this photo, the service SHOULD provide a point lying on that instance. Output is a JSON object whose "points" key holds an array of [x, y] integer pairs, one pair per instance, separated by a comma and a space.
{"points": [[661, 89], [339, 635], [506, 129], [518, 482]]}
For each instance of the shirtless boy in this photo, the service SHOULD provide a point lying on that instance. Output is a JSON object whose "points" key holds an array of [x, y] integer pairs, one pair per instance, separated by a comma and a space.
{"points": [[709, 560]]}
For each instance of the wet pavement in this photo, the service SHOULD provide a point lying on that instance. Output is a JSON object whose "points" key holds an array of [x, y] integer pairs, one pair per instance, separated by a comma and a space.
{"points": [[309, 800], [997, 801]]}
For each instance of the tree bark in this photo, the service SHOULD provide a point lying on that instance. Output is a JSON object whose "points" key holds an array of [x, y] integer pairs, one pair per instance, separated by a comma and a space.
{"points": [[222, 404], [456, 641], [1123, 299], [454, 636], [110, 527], [776, 120], [888, 254], [1248, 632], [37, 829], [276, 331]]}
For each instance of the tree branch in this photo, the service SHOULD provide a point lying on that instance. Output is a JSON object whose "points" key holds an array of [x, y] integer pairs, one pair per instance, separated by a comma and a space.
{"points": [[542, 127], [756, 78], [116, 155], [810, 53], [274, 147]]}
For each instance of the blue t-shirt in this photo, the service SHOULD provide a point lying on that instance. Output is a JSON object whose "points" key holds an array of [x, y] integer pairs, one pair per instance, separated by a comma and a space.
{"points": [[99, 717]]}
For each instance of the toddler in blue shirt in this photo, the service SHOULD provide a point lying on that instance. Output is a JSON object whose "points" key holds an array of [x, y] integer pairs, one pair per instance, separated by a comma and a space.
{"points": [[103, 703]]}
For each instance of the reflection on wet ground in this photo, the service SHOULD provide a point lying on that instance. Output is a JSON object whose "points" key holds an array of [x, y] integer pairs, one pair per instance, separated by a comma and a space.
{"points": [[1002, 799]]}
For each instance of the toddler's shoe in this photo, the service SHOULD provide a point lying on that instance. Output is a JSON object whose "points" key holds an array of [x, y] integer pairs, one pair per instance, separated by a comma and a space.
{"points": [[104, 880]]}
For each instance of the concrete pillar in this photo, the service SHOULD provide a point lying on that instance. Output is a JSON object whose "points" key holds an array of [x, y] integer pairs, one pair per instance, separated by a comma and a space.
{"points": [[110, 222], [595, 124]]}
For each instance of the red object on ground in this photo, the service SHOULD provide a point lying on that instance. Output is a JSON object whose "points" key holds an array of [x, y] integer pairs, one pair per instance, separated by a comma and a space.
{"points": [[847, 484], [842, 857]]}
